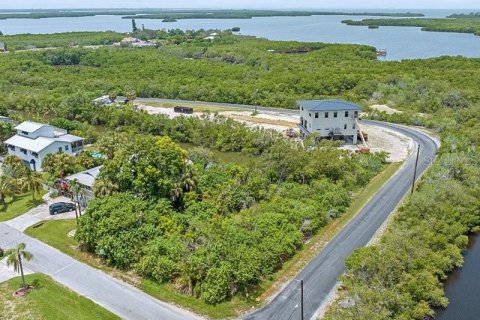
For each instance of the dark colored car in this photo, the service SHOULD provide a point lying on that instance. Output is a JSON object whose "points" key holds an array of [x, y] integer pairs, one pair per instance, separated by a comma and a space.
{"points": [[61, 207]]}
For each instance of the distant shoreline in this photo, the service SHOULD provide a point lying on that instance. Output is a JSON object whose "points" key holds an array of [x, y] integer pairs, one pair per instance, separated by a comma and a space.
{"points": [[172, 14]]}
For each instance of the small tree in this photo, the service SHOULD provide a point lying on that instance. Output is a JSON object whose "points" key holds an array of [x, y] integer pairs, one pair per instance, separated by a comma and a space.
{"points": [[112, 96], [134, 25], [131, 94], [32, 182], [14, 258]]}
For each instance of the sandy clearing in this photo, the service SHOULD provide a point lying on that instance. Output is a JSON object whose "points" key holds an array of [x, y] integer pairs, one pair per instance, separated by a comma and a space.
{"points": [[385, 108], [380, 139]]}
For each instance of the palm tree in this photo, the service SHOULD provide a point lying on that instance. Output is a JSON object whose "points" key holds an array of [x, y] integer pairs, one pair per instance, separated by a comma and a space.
{"points": [[32, 181], [8, 188], [75, 188], [14, 258], [9, 183], [104, 188]]}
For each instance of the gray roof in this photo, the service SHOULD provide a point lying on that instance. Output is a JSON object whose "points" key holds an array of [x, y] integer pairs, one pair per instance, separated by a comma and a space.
{"points": [[87, 177], [35, 145], [30, 126], [328, 105]]}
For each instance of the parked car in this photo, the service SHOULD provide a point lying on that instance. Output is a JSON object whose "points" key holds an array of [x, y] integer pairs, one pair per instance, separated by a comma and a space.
{"points": [[61, 207]]}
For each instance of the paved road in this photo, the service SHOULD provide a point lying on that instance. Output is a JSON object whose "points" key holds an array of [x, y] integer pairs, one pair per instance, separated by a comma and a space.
{"points": [[114, 295], [321, 275], [216, 104]]}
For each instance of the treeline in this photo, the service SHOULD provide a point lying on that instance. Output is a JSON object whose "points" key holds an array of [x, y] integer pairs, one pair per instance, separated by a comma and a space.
{"points": [[249, 14], [188, 14], [460, 24]]}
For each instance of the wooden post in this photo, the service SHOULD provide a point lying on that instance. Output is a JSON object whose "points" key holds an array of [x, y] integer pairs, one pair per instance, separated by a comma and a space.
{"points": [[301, 301], [415, 172]]}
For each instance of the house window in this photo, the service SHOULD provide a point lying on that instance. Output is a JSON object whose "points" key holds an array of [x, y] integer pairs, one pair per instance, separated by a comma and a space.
{"points": [[345, 127], [316, 115], [310, 115], [24, 151], [326, 114], [11, 147], [335, 114], [66, 148], [35, 154], [302, 108], [25, 133], [346, 114], [60, 149], [356, 114], [353, 126]]}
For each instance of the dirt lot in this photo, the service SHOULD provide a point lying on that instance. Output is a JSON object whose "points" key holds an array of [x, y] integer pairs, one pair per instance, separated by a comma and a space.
{"points": [[396, 145], [385, 108]]}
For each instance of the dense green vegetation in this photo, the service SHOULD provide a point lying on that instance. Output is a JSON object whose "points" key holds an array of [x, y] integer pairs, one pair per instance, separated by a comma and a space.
{"points": [[215, 229], [456, 23], [430, 227], [189, 14], [47, 301]]}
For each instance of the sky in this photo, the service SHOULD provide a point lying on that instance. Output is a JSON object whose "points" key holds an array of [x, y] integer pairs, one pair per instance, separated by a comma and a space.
{"points": [[268, 4]]}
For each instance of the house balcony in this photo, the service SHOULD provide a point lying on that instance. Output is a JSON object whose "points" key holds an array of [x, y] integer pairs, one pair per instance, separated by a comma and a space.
{"points": [[77, 149]]}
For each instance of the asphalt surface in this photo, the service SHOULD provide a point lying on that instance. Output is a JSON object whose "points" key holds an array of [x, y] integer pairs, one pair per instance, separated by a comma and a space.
{"points": [[120, 298], [321, 275]]}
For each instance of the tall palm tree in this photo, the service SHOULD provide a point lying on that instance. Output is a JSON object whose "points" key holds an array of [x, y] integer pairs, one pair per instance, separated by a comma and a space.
{"points": [[32, 182], [76, 189], [14, 258]]}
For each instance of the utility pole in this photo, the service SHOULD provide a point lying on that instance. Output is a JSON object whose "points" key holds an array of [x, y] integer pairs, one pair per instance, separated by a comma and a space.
{"points": [[301, 299], [415, 172]]}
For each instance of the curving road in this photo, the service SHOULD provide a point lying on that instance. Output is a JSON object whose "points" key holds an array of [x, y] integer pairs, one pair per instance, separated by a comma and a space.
{"points": [[321, 274]]}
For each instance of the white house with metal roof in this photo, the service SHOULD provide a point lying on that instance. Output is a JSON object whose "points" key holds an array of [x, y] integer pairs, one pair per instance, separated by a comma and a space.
{"points": [[34, 141], [86, 179], [336, 119]]}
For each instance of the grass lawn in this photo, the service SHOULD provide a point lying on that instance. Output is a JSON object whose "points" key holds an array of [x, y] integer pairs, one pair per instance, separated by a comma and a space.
{"points": [[55, 233], [20, 205], [47, 301]]}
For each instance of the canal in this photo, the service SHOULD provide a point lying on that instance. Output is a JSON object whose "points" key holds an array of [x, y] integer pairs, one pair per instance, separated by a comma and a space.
{"points": [[463, 286]]}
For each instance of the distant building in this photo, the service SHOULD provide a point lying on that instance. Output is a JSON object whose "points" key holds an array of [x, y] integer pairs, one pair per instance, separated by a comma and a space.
{"points": [[34, 141], [334, 119], [135, 42], [3, 47], [4, 119]]}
